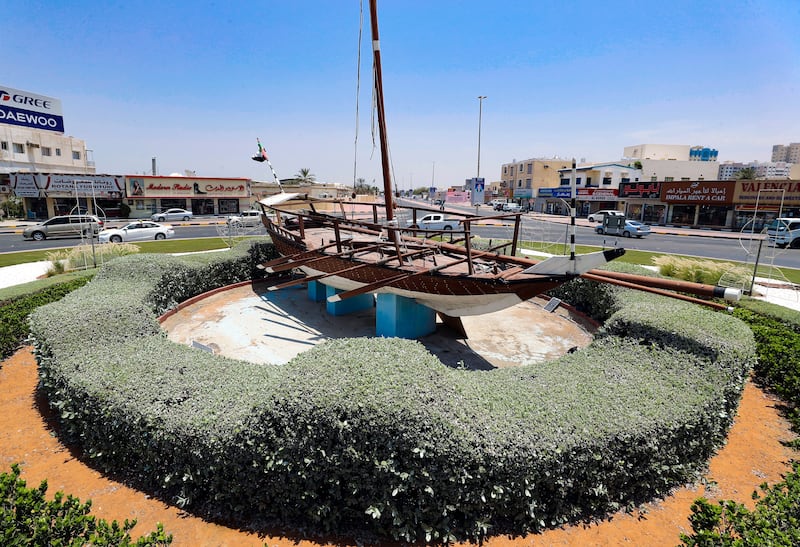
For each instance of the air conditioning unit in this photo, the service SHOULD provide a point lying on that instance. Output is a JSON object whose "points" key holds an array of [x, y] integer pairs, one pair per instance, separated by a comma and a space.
{"points": [[5, 189]]}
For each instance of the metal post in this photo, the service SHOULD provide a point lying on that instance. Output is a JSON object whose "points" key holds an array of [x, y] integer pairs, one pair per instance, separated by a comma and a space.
{"points": [[572, 212], [480, 116]]}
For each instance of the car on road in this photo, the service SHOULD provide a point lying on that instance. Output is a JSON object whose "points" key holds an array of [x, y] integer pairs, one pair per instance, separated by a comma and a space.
{"points": [[172, 214], [511, 207], [64, 226], [247, 219], [784, 232], [141, 230], [598, 216], [434, 221], [631, 228]]}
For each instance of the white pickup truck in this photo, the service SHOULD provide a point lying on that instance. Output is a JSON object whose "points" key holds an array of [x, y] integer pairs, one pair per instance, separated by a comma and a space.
{"points": [[434, 221]]}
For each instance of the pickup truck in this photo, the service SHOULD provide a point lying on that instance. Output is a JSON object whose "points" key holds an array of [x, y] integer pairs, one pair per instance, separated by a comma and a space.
{"points": [[434, 221]]}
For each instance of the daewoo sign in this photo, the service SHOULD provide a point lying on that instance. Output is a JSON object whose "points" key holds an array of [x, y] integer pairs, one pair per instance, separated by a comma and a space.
{"points": [[30, 110]]}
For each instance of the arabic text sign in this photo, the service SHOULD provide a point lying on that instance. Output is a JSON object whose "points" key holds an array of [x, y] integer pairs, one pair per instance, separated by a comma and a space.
{"points": [[697, 192]]}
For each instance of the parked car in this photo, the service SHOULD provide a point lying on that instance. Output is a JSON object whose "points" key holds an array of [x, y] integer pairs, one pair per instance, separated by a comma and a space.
{"points": [[496, 204], [142, 230], [598, 216], [247, 219], [511, 207], [784, 231], [630, 228], [434, 221], [172, 214], [64, 226]]}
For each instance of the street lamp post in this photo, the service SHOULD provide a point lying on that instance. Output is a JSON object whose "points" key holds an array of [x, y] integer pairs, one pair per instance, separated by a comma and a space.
{"points": [[480, 116]]}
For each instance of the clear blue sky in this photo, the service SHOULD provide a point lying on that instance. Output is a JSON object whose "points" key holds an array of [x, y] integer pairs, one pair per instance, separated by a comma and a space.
{"points": [[194, 84]]}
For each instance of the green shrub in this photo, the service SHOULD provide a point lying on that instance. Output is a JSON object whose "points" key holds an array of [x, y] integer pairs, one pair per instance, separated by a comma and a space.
{"points": [[375, 437], [774, 521], [27, 518], [14, 312]]}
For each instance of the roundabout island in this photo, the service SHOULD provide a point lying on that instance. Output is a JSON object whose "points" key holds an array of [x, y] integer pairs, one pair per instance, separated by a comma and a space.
{"points": [[378, 438]]}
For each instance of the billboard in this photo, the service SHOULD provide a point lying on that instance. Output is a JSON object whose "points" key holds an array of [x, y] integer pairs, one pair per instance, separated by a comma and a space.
{"points": [[768, 192], [30, 110], [31, 185]]}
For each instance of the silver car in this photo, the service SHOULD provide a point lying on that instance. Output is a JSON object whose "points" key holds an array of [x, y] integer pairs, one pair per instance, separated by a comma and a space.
{"points": [[248, 219], [172, 214], [64, 226]]}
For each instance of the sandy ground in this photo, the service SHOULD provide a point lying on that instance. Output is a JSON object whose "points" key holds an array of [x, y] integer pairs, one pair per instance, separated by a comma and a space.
{"points": [[753, 454]]}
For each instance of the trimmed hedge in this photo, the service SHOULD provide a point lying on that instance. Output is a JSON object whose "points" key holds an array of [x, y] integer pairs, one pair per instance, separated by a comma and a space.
{"points": [[375, 437], [14, 311]]}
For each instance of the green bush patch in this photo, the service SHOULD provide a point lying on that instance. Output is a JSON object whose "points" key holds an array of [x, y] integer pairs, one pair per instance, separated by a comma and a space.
{"points": [[375, 438]]}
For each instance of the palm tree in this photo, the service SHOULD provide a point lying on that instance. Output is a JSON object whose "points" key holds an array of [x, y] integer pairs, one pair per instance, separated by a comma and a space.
{"points": [[748, 173], [305, 176]]}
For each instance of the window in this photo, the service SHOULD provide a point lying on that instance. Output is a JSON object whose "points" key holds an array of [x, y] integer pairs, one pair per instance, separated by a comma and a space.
{"points": [[505, 169], [669, 179], [3, 145], [578, 180], [519, 183], [530, 168], [58, 151], [606, 180], [47, 151], [19, 148], [685, 178], [76, 155], [588, 181]]}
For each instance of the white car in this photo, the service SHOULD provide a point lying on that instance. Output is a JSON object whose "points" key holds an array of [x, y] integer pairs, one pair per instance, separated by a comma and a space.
{"points": [[137, 231], [248, 219], [434, 221], [598, 216], [172, 214], [511, 207], [785, 231]]}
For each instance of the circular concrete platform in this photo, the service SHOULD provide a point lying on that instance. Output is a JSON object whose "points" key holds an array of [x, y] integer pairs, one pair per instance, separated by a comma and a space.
{"points": [[253, 324]]}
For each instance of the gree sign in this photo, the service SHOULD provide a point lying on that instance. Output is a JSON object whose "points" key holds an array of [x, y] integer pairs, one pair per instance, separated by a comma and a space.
{"points": [[30, 110]]}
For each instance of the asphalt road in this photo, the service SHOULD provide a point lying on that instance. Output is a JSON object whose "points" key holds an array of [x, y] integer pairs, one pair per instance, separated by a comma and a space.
{"points": [[702, 244]]}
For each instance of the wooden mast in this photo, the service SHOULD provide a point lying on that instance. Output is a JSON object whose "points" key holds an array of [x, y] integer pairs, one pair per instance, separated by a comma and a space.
{"points": [[376, 60]]}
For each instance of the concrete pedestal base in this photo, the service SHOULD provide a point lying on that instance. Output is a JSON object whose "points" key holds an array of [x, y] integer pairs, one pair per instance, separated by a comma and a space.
{"points": [[401, 317], [317, 292], [350, 305]]}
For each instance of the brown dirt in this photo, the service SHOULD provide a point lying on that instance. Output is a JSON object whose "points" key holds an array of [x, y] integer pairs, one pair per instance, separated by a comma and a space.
{"points": [[753, 455]]}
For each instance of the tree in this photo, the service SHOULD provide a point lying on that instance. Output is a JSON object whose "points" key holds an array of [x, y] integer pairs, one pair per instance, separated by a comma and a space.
{"points": [[748, 173], [305, 176], [362, 187]]}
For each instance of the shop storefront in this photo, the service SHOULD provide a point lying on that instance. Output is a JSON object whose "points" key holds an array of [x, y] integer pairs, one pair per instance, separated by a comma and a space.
{"points": [[46, 195], [760, 201], [699, 203], [201, 196], [590, 200], [643, 201], [553, 201]]}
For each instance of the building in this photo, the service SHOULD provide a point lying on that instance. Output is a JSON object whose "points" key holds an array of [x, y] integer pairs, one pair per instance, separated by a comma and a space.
{"points": [[597, 187], [789, 154], [32, 138], [670, 152], [761, 170], [523, 179]]}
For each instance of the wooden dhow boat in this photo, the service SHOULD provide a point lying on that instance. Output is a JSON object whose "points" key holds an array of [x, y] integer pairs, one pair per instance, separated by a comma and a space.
{"points": [[380, 249]]}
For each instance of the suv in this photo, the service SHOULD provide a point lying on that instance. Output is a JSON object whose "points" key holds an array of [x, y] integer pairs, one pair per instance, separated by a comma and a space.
{"points": [[598, 216], [248, 219], [784, 231], [66, 225], [511, 207]]}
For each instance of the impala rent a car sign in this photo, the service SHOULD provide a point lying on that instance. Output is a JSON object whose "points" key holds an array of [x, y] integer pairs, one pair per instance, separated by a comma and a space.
{"points": [[30, 110]]}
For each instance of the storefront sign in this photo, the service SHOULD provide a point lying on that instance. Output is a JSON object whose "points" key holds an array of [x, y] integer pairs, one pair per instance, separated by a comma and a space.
{"points": [[645, 190], [185, 187], [697, 192], [555, 193], [768, 192], [24, 185], [597, 194]]}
